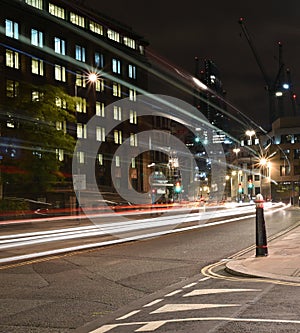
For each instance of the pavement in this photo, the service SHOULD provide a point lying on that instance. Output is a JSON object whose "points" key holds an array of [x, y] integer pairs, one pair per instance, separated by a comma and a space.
{"points": [[282, 262]]}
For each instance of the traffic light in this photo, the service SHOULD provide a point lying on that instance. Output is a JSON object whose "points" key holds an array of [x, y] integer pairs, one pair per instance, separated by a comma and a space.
{"points": [[178, 187]]}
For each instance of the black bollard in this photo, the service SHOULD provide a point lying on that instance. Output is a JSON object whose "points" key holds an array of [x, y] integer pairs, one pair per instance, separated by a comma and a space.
{"points": [[261, 236]]}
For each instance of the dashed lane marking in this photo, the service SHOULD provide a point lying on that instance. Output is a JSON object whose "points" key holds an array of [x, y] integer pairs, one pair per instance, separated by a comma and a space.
{"points": [[173, 293], [130, 314], [190, 285], [153, 302]]}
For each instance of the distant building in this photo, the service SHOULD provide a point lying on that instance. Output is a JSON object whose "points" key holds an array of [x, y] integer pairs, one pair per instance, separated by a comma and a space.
{"points": [[282, 169]]}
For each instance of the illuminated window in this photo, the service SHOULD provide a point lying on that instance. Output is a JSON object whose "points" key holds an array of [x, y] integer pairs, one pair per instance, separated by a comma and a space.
{"points": [[133, 117], [80, 80], [81, 157], [285, 170], [12, 59], [117, 112], [99, 60], [132, 94], [132, 71], [12, 88], [36, 96], [60, 154], [61, 126], [60, 73], [129, 42], [118, 136], [100, 109], [35, 3], [133, 163], [100, 159], [99, 85], [57, 11], [11, 29], [81, 131], [37, 38], [81, 105], [113, 35], [37, 66], [116, 66], [118, 160], [59, 46], [116, 89], [96, 28], [133, 140], [60, 103], [80, 53], [77, 19], [100, 133]]}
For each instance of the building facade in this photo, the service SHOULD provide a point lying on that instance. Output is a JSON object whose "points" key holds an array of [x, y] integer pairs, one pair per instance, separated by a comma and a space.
{"points": [[91, 57]]}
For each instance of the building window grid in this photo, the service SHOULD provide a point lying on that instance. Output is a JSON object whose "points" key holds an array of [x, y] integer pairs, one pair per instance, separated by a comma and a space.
{"points": [[133, 117], [37, 66], [129, 42], [60, 73], [57, 11], [79, 53], [132, 95], [11, 29], [116, 66], [100, 159], [133, 163], [100, 109], [133, 140], [77, 20], [12, 59], [99, 60], [96, 28], [113, 35], [132, 71], [59, 46], [81, 131], [12, 88], [117, 89], [117, 161], [37, 38], [100, 133], [99, 85], [35, 3], [81, 105], [117, 112], [60, 154], [36, 96], [118, 136]]}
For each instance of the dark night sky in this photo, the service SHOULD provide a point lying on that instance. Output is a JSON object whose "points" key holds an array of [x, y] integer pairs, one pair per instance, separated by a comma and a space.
{"points": [[210, 29]]}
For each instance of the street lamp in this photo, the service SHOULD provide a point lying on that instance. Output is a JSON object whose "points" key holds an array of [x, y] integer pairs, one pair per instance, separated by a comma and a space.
{"points": [[250, 133]]}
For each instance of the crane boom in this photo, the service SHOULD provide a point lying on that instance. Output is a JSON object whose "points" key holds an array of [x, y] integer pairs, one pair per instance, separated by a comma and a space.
{"points": [[248, 37]]}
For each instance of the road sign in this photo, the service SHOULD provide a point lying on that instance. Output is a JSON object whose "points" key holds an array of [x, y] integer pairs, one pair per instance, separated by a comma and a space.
{"points": [[79, 182]]}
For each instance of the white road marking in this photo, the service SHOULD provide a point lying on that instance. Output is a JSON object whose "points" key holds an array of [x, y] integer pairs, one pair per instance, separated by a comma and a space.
{"points": [[198, 292], [173, 293], [152, 303], [204, 279], [186, 307], [130, 314], [147, 324], [152, 326], [190, 285]]}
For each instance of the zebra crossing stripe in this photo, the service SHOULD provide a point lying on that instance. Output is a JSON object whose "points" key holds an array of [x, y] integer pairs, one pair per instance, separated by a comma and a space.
{"points": [[186, 307], [198, 292]]}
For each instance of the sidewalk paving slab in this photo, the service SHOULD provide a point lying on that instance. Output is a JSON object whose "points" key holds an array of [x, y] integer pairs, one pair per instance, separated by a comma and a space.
{"points": [[282, 262]]}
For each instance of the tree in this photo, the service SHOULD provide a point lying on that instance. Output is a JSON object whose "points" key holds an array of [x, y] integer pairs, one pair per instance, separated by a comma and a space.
{"points": [[34, 133]]}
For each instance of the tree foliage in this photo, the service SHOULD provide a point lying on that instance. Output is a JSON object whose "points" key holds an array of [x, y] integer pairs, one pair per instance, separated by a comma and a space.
{"points": [[33, 130]]}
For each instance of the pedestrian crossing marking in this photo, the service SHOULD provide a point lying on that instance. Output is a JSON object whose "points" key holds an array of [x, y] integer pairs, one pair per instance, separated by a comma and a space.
{"points": [[130, 314], [186, 307], [198, 292], [153, 303]]}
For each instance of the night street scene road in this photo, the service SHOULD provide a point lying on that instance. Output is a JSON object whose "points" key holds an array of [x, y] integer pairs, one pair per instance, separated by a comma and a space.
{"points": [[149, 167]]}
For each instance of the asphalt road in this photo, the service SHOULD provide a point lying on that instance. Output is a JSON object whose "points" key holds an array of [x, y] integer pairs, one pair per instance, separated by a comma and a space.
{"points": [[64, 293]]}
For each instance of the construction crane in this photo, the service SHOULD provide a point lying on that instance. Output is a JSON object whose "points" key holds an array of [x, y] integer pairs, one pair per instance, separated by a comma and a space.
{"points": [[273, 87]]}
